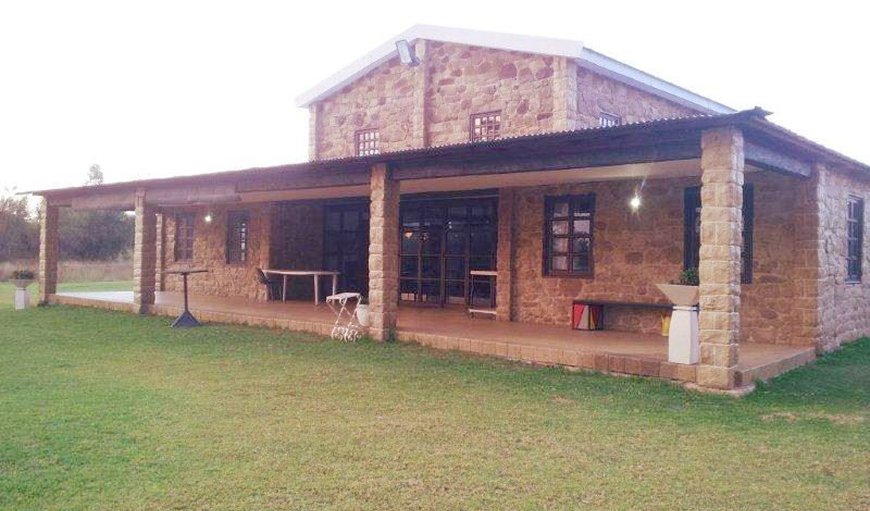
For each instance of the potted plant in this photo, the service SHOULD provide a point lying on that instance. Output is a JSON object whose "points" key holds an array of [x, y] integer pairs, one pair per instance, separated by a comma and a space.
{"points": [[22, 278], [684, 291], [362, 312], [683, 345]]}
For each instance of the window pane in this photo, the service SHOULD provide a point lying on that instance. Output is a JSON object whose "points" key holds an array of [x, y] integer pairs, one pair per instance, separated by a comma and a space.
{"points": [[456, 242], [455, 267], [431, 242], [481, 242], [560, 209], [409, 266], [582, 227], [410, 242], [559, 246], [580, 245], [560, 227], [351, 221], [431, 267], [559, 263], [580, 263]]}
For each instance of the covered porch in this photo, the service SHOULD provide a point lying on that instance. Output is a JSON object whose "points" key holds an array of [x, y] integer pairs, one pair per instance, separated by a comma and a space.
{"points": [[286, 216], [451, 329]]}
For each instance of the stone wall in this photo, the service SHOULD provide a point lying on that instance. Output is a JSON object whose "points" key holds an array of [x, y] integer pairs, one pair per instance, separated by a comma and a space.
{"points": [[632, 252], [597, 93], [388, 98], [431, 104], [209, 251], [844, 307], [465, 80], [767, 306]]}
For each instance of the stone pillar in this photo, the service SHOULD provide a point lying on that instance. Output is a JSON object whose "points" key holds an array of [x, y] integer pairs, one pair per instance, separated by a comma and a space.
{"points": [[383, 253], [314, 131], [719, 269], [505, 254], [48, 251], [808, 258], [420, 111], [144, 255], [565, 93], [160, 262]]}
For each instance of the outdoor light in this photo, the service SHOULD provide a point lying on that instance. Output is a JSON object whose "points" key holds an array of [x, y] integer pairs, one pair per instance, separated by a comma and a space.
{"points": [[208, 218], [406, 53], [634, 202]]}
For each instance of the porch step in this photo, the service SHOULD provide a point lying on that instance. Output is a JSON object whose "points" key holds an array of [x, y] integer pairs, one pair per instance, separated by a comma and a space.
{"points": [[770, 370]]}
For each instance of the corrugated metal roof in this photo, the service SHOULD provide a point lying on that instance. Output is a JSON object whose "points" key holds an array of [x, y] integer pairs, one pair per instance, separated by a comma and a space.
{"points": [[752, 121]]}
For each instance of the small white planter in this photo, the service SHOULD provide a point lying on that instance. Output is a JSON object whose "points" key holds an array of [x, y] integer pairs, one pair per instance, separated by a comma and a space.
{"points": [[362, 314], [683, 344], [22, 297]]}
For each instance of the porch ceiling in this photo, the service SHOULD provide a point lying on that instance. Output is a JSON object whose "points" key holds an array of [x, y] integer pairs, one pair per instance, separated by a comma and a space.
{"points": [[633, 171]]}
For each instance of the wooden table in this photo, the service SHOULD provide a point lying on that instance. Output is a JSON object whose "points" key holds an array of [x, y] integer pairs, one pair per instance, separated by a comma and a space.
{"points": [[306, 273], [186, 319]]}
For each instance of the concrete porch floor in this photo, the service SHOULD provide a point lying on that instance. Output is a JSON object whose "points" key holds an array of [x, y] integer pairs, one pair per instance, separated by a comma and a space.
{"points": [[452, 329]]}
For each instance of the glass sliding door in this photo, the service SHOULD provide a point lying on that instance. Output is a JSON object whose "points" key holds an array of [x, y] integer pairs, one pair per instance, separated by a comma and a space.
{"points": [[346, 244], [442, 240]]}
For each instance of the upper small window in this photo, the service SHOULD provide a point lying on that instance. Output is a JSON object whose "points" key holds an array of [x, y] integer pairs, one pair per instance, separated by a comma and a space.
{"points": [[367, 142], [606, 120], [184, 236], [855, 239], [237, 237], [568, 236], [485, 126]]}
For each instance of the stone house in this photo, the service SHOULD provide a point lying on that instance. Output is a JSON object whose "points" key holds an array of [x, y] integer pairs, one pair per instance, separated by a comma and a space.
{"points": [[572, 176]]}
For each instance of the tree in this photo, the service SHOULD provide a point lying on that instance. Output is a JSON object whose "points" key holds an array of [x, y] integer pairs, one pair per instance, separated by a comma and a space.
{"points": [[19, 230], [95, 235]]}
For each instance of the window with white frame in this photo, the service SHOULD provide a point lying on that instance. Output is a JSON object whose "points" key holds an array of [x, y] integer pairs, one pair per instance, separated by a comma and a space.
{"points": [[606, 120], [367, 142]]}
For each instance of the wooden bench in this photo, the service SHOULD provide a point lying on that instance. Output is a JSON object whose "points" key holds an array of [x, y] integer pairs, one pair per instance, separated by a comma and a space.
{"points": [[612, 303]]}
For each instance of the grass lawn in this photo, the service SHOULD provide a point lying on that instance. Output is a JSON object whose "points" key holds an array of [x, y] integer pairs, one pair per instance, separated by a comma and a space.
{"points": [[103, 410], [7, 289]]}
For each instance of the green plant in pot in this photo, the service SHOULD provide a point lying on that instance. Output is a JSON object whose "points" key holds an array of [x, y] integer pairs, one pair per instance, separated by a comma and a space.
{"points": [[22, 278], [683, 291]]}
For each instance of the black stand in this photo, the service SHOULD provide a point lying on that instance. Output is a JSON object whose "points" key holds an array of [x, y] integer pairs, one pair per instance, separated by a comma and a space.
{"points": [[186, 319]]}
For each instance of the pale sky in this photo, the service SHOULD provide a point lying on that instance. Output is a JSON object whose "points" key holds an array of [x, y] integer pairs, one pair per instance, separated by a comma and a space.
{"points": [[149, 89]]}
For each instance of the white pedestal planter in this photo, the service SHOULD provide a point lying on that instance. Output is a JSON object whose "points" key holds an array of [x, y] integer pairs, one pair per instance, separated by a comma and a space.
{"points": [[362, 314], [22, 299], [683, 344]]}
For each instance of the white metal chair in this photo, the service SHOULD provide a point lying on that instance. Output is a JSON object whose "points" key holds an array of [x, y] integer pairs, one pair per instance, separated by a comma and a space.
{"points": [[347, 327]]}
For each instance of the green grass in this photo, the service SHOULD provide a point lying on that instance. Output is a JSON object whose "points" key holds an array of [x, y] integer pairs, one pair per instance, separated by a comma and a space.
{"points": [[7, 289], [102, 410]]}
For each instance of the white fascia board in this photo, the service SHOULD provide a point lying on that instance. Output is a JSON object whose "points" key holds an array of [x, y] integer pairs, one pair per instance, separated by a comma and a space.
{"points": [[646, 82], [387, 50]]}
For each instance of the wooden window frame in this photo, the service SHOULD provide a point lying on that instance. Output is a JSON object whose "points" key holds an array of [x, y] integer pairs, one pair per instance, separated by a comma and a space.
{"points": [[367, 142], [237, 243], [184, 223], [574, 202], [609, 120], [692, 238], [487, 125], [854, 239]]}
